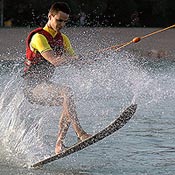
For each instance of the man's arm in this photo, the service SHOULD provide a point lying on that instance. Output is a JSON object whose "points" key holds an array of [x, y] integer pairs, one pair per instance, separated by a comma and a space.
{"points": [[57, 60], [39, 43]]}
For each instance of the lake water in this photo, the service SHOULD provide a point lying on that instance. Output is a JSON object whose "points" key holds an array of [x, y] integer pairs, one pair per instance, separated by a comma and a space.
{"points": [[144, 146]]}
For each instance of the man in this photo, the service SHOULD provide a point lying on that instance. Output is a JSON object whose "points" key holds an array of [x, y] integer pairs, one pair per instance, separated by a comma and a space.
{"points": [[47, 48]]}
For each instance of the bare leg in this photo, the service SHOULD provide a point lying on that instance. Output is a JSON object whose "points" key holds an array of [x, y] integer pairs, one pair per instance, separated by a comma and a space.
{"points": [[63, 128], [51, 94], [68, 116]]}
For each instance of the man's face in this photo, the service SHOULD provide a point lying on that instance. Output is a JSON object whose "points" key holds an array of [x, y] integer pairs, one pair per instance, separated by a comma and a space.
{"points": [[58, 21]]}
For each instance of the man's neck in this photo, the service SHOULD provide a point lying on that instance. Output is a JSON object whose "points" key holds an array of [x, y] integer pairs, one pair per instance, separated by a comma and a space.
{"points": [[49, 29]]}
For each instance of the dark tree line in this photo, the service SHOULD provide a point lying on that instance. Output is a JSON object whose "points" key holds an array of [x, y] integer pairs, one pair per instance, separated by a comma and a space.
{"points": [[124, 13]]}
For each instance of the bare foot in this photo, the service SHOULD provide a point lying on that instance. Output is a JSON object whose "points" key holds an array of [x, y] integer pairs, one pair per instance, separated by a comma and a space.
{"points": [[59, 147], [84, 136]]}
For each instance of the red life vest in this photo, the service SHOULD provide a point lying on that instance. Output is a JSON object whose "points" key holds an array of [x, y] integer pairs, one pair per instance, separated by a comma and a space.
{"points": [[33, 58]]}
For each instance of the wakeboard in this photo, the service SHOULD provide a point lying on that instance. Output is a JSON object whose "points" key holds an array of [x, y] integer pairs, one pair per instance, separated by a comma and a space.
{"points": [[118, 123]]}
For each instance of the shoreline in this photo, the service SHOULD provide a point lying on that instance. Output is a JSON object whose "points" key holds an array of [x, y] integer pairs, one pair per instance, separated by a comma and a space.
{"points": [[157, 46]]}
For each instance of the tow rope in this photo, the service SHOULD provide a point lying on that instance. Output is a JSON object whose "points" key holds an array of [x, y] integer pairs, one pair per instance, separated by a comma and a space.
{"points": [[134, 40]]}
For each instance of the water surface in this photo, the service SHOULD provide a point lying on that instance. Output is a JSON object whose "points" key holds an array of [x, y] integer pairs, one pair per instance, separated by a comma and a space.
{"points": [[101, 91]]}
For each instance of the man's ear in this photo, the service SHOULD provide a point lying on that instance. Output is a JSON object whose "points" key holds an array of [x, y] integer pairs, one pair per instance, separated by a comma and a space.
{"points": [[49, 16]]}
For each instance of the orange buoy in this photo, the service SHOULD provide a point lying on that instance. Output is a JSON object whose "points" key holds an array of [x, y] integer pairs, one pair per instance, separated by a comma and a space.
{"points": [[136, 39]]}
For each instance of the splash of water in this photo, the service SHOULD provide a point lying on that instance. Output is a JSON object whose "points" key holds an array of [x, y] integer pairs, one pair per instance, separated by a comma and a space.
{"points": [[20, 134], [100, 90]]}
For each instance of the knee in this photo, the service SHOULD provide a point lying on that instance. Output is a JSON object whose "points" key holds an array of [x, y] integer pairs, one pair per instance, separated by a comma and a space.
{"points": [[67, 92]]}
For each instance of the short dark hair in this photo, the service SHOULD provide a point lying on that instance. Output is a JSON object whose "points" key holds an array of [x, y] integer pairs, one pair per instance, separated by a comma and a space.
{"points": [[59, 6]]}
